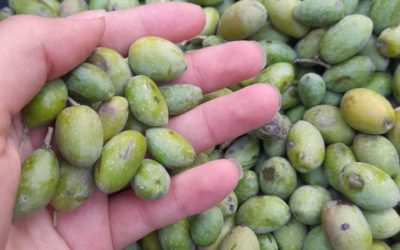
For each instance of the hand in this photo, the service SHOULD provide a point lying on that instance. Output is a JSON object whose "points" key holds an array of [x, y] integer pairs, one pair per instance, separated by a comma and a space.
{"points": [[34, 50]]}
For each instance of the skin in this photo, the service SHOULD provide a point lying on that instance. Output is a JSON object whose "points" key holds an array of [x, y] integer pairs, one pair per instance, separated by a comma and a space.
{"points": [[106, 222]]}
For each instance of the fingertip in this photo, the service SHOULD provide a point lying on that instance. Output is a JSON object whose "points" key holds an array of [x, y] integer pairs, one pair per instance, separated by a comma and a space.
{"points": [[46, 49], [238, 167], [217, 67], [202, 18], [228, 117], [175, 21], [192, 192], [262, 53], [88, 29], [253, 51], [93, 20], [197, 16], [228, 170], [218, 178], [267, 101]]}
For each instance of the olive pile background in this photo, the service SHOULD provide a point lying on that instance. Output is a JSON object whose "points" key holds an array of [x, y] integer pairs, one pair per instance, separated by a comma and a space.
{"points": [[323, 174]]}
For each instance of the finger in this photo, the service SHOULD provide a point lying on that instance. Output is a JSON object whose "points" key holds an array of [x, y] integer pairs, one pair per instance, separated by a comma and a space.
{"points": [[34, 49], [27, 140], [191, 192], [227, 117], [173, 21], [81, 228], [10, 167], [30, 52], [34, 232], [219, 66]]}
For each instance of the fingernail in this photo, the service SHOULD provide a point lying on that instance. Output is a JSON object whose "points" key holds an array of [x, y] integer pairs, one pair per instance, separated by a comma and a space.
{"points": [[238, 166], [278, 92], [86, 15], [264, 54]]}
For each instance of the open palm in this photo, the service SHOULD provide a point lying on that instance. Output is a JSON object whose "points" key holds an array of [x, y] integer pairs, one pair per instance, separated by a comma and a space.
{"points": [[34, 50]]}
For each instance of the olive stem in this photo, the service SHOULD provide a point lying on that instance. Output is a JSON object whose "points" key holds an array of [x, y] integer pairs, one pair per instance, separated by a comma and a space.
{"points": [[314, 61], [72, 101], [55, 218], [47, 140]]}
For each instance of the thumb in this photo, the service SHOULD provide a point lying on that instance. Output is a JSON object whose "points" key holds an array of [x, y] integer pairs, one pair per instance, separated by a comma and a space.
{"points": [[32, 50]]}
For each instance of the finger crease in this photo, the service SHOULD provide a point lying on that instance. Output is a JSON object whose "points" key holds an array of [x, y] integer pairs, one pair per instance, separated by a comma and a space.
{"points": [[209, 128], [145, 215], [61, 237], [178, 203], [5, 124], [109, 223], [145, 28], [197, 75], [47, 59]]}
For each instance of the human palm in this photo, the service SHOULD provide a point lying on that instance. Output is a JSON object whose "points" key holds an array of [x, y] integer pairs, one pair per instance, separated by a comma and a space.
{"points": [[34, 50]]}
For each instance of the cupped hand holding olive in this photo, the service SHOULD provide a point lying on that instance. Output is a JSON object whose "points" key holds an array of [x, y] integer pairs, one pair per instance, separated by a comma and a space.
{"points": [[34, 50]]}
